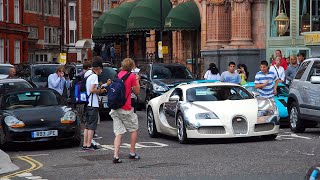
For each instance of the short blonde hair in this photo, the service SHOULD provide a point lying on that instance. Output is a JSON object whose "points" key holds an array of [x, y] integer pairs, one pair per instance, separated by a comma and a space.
{"points": [[127, 64], [60, 68]]}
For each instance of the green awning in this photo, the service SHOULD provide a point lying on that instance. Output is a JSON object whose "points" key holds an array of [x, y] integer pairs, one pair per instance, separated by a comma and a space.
{"points": [[184, 16], [115, 23], [97, 29], [146, 15]]}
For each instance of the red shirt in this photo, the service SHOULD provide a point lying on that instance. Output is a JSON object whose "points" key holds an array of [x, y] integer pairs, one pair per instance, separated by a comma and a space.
{"points": [[128, 83], [283, 63]]}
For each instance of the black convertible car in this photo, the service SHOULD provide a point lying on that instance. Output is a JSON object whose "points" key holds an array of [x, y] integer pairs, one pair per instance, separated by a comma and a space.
{"points": [[39, 114]]}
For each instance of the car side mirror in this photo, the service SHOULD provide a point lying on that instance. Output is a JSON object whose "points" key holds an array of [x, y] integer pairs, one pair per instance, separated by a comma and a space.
{"points": [[174, 98], [315, 79], [255, 94]]}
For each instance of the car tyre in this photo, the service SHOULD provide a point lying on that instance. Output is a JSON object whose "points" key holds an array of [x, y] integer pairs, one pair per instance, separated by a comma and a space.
{"points": [[181, 129], [295, 122], [269, 137], [151, 125]]}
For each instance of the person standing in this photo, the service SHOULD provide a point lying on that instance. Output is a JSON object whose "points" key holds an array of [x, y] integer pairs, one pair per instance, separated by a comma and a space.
{"points": [[266, 81], [231, 76], [243, 72], [212, 73], [283, 60], [57, 81], [93, 105], [124, 119], [301, 57], [278, 70], [12, 72], [292, 70]]}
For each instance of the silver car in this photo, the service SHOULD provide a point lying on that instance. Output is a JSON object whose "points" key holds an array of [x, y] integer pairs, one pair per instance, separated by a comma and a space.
{"points": [[304, 96]]}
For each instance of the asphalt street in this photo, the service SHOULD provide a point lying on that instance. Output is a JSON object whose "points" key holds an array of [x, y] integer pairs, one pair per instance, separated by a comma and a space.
{"points": [[287, 157]]}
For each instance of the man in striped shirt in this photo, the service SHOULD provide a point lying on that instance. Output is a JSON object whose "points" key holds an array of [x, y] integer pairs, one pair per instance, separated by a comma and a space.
{"points": [[266, 82]]}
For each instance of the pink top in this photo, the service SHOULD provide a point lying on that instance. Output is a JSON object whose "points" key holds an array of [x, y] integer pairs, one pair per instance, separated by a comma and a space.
{"points": [[128, 83]]}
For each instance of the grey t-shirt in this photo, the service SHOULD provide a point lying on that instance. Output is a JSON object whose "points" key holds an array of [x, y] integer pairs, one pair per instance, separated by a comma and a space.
{"points": [[230, 77]]}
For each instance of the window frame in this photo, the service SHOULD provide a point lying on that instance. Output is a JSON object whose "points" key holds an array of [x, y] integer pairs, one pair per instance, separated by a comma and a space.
{"points": [[303, 67], [1, 10], [1, 50], [16, 11], [311, 70], [17, 51]]}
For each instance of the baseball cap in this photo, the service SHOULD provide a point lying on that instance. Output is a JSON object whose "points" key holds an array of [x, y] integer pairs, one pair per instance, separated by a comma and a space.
{"points": [[97, 63]]}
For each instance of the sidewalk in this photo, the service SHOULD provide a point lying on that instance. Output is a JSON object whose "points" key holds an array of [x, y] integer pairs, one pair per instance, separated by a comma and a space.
{"points": [[6, 165]]}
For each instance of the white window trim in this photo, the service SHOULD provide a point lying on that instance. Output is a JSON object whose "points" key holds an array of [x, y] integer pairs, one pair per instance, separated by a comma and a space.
{"points": [[37, 9], [1, 50], [52, 2], [17, 12], [57, 37], [75, 37], [17, 51], [7, 51], [72, 4], [2, 10]]}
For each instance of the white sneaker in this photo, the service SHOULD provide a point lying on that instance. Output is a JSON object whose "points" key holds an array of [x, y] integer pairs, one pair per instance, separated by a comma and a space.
{"points": [[95, 143]]}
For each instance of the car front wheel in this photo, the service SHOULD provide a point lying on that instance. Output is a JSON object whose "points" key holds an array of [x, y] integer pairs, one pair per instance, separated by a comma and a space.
{"points": [[152, 129], [181, 129], [296, 124]]}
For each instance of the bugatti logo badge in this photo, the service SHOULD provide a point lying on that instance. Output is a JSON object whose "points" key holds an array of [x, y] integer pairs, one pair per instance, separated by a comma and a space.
{"points": [[239, 119], [42, 120]]}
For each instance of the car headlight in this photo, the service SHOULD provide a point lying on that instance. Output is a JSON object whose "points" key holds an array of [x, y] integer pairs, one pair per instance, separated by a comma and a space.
{"points": [[206, 115], [68, 118], [13, 122], [266, 108], [158, 87]]}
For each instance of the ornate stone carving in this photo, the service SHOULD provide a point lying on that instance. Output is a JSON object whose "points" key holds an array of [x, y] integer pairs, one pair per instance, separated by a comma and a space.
{"points": [[213, 3], [240, 1]]}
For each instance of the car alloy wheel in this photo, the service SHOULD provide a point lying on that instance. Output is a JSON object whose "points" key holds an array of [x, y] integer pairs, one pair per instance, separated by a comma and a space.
{"points": [[296, 123], [293, 117], [181, 130], [152, 130]]}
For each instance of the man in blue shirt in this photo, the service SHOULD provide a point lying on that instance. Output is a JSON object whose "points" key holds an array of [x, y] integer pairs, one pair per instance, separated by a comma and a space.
{"points": [[57, 81], [231, 76], [266, 82]]}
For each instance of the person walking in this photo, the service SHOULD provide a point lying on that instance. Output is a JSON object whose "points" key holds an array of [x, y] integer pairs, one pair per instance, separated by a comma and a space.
{"points": [[124, 119], [212, 73], [57, 81], [266, 82], [278, 70], [93, 105], [231, 76], [292, 70]]}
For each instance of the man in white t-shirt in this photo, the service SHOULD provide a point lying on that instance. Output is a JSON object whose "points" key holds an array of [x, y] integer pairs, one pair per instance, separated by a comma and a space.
{"points": [[278, 70], [93, 103]]}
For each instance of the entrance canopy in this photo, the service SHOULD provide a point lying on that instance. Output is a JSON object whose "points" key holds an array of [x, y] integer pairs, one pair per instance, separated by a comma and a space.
{"points": [[146, 15], [83, 44], [185, 16]]}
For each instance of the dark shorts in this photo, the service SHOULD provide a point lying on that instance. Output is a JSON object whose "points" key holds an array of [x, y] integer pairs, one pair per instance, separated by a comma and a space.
{"points": [[92, 118]]}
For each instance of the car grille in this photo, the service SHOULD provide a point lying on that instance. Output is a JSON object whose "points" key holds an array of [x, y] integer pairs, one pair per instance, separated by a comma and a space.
{"points": [[239, 125], [263, 127], [283, 102], [212, 130]]}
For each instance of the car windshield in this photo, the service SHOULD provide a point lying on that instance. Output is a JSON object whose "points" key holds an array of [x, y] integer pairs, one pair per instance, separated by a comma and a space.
{"points": [[281, 90], [31, 99], [217, 93], [14, 85], [4, 69], [107, 73], [170, 72], [41, 73]]}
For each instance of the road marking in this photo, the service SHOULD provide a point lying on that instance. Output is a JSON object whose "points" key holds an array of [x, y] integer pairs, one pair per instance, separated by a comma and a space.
{"points": [[35, 165], [138, 145], [303, 137]]}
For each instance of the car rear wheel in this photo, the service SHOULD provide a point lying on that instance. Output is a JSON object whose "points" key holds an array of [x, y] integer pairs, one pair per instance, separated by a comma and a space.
{"points": [[181, 130], [295, 122], [152, 129]]}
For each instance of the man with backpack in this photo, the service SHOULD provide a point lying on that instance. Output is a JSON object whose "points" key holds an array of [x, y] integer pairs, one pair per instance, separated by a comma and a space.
{"points": [[119, 100], [92, 91]]}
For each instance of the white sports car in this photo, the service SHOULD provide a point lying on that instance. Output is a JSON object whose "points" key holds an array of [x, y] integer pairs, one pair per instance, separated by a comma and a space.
{"points": [[211, 110]]}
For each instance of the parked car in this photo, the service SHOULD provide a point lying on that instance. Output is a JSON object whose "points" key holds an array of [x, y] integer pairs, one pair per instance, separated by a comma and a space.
{"points": [[12, 84], [211, 110], [158, 78], [4, 69], [304, 100], [108, 72], [281, 98], [36, 115]]}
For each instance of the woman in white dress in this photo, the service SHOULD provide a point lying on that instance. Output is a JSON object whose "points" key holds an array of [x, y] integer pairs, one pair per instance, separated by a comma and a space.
{"points": [[212, 73]]}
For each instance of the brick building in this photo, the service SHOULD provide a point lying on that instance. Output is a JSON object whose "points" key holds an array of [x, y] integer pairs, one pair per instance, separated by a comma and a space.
{"points": [[13, 34]]}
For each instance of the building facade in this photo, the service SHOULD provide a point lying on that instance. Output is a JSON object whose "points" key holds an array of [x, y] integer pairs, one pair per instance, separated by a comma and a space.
{"points": [[13, 33]]}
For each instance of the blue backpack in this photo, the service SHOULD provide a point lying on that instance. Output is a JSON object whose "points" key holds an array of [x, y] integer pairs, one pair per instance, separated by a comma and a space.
{"points": [[80, 90], [116, 92]]}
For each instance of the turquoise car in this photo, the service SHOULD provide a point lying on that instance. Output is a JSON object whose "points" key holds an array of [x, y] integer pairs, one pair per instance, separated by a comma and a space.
{"points": [[281, 99]]}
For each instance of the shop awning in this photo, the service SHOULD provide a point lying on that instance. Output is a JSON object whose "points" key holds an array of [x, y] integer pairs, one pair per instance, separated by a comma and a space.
{"points": [[184, 16], [97, 29], [146, 15], [115, 23]]}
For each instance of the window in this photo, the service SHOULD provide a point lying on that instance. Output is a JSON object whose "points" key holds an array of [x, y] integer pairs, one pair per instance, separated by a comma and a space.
{"points": [[1, 10], [16, 12], [309, 17], [33, 32], [7, 50], [315, 70], [96, 5], [17, 52], [52, 7], [72, 13], [51, 35], [33, 6], [301, 70], [7, 5], [1, 50], [72, 38], [274, 8]]}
